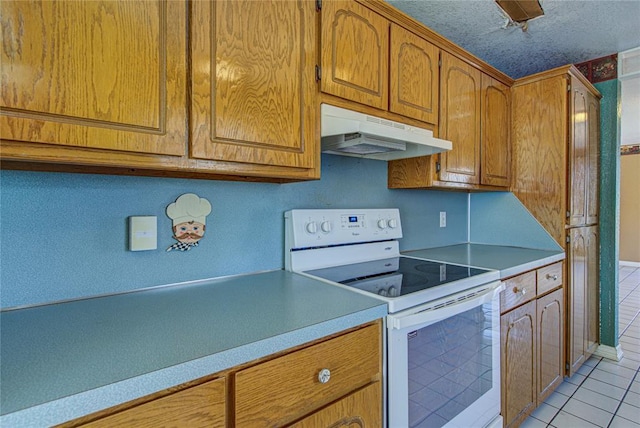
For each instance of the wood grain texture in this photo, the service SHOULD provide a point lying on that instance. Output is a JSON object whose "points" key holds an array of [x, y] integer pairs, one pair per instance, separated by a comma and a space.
{"points": [[550, 349], [593, 160], [495, 149], [412, 173], [199, 406], [549, 277], [460, 118], [592, 293], [100, 74], [576, 298], [355, 53], [539, 144], [578, 154], [414, 76], [518, 290], [518, 331], [282, 390], [253, 83], [362, 409]]}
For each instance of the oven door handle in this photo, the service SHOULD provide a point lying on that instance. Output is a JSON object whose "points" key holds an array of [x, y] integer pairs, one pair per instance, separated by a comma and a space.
{"points": [[431, 315]]}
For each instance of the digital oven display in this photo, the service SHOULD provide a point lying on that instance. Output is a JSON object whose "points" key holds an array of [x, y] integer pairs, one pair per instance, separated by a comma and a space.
{"points": [[353, 219]]}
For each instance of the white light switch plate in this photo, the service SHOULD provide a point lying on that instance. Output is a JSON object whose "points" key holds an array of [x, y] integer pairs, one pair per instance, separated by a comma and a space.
{"points": [[143, 233]]}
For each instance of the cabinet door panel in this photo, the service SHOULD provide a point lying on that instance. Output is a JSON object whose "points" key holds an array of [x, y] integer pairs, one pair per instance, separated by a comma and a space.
{"points": [[578, 155], [495, 151], [576, 298], [593, 161], [550, 318], [199, 406], [98, 74], [362, 409], [460, 121], [253, 82], [518, 336], [355, 52], [592, 292], [414, 76]]}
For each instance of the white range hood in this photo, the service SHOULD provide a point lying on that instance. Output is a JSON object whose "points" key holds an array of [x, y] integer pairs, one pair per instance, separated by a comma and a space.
{"points": [[350, 133]]}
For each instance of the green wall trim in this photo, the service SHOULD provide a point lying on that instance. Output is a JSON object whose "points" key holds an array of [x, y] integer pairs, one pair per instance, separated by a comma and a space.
{"points": [[609, 210]]}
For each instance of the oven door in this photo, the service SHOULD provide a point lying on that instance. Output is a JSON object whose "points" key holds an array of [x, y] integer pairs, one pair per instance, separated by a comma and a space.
{"points": [[444, 362]]}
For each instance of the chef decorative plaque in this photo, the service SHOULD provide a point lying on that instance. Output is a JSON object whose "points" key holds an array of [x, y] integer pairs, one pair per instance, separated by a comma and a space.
{"points": [[189, 213]]}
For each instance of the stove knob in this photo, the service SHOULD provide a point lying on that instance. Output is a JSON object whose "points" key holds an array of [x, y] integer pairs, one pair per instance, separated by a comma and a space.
{"points": [[393, 223], [382, 224], [312, 227], [325, 226], [392, 292]]}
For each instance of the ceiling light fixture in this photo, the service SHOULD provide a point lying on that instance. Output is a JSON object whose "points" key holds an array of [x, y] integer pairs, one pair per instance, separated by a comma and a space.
{"points": [[518, 13]]}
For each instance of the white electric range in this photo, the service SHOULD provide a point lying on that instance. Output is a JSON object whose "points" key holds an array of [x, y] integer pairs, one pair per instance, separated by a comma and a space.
{"points": [[442, 332]]}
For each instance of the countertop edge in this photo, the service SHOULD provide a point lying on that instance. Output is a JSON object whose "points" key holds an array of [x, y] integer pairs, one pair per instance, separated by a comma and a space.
{"points": [[84, 403], [516, 270]]}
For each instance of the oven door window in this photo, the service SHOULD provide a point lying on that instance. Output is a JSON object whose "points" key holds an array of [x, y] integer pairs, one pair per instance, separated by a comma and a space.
{"points": [[446, 372]]}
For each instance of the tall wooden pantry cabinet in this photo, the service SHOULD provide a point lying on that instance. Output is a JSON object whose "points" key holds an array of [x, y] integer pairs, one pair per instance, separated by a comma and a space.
{"points": [[556, 137]]}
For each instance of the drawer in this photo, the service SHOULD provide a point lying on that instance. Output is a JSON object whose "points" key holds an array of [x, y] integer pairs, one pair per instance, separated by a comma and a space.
{"points": [[284, 389], [518, 290], [199, 406], [549, 277]]}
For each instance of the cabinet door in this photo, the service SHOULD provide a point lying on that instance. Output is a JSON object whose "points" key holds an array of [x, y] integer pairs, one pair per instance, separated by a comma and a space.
{"points": [[460, 120], [578, 154], [355, 53], [495, 150], [576, 297], [414, 76], [592, 291], [95, 74], [550, 318], [518, 336], [362, 409], [253, 82], [593, 160], [540, 132], [199, 406]]}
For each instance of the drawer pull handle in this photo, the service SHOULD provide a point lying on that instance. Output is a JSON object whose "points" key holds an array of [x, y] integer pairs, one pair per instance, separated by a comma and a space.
{"points": [[324, 375], [553, 277], [522, 291]]}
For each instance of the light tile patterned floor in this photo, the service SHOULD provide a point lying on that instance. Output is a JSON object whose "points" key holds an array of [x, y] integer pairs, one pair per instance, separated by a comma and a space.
{"points": [[603, 393]]}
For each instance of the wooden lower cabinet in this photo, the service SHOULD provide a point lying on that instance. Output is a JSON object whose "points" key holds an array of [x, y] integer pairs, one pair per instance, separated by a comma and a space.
{"points": [[532, 340], [362, 409], [199, 406], [278, 390]]}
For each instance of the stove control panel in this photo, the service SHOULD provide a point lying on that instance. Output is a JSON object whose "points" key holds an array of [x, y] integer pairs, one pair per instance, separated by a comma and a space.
{"points": [[320, 228]]}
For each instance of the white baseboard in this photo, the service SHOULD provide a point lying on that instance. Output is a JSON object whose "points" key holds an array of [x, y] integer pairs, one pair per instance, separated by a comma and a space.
{"points": [[625, 263], [609, 352]]}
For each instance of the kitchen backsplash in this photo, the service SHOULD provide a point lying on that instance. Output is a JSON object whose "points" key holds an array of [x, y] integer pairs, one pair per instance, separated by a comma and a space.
{"points": [[64, 236]]}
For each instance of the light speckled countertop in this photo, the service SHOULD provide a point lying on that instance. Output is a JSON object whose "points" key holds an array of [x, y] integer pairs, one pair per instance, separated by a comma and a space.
{"points": [[65, 360], [509, 261]]}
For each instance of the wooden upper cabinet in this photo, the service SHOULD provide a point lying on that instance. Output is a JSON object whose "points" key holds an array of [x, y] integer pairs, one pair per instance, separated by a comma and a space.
{"points": [[460, 106], [593, 159], [414, 76], [578, 152], [253, 82], [355, 52], [99, 74], [495, 150]]}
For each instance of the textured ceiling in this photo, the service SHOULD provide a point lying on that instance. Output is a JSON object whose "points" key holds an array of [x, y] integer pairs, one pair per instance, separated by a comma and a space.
{"points": [[570, 32]]}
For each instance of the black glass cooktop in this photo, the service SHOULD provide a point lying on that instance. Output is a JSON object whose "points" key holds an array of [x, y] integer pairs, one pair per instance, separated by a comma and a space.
{"points": [[396, 276]]}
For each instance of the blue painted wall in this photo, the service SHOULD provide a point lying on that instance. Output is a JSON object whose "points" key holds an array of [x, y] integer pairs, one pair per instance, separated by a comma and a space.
{"points": [[609, 210], [64, 236]]}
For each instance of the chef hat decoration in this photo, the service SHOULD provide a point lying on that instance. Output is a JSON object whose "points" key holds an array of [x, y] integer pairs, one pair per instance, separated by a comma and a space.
{"points": [[189, 214], [189, 207]]}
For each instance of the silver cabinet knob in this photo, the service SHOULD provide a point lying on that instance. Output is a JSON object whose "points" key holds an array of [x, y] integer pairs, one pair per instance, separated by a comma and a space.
{"points": [[522, 291], [553, 277], [324, 375]]}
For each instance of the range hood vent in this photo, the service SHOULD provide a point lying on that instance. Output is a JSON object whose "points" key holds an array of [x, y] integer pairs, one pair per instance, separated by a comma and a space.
{"points": [[349, 133]]}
